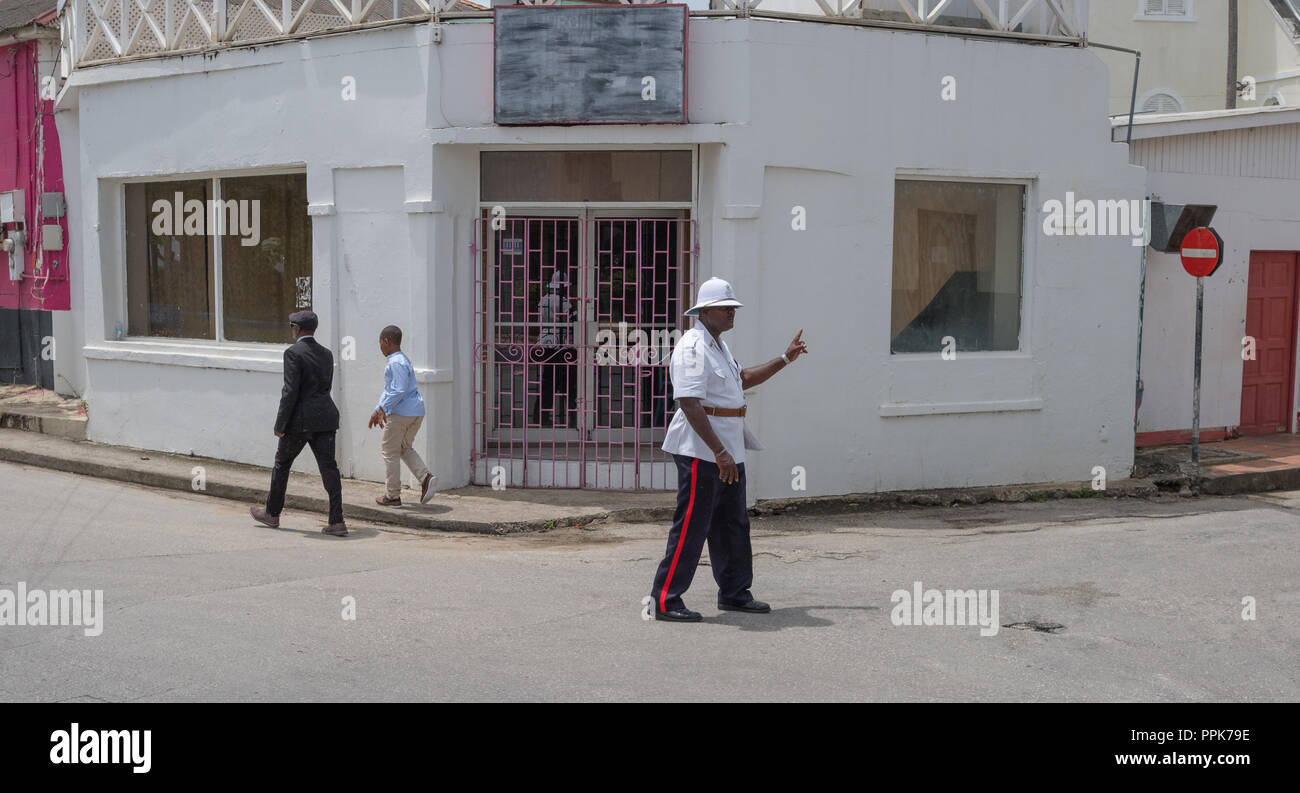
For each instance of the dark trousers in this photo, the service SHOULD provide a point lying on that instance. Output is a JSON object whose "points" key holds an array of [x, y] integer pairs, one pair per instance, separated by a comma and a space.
{"points": [[706, 509], [322, 445]]}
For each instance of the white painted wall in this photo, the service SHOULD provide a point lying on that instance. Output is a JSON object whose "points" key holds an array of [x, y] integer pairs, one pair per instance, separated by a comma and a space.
{"points": [[1254, 214], [781, 114]]}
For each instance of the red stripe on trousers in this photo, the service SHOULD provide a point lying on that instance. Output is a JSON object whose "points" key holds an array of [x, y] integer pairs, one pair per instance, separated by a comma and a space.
{"points": [[686, 523]]}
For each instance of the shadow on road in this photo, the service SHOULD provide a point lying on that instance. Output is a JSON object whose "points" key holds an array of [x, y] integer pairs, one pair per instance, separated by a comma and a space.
{"points": [[779, 619]]}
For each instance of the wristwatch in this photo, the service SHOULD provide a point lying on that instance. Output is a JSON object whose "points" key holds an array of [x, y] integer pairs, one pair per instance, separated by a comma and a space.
{"points": [[784, 358]]}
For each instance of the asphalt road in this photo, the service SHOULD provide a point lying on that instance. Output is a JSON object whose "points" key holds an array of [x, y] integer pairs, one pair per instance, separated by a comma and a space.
{"points": [[200, 603]]}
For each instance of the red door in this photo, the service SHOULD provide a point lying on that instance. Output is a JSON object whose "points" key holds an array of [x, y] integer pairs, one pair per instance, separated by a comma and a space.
{"points": [[1271, 320]]}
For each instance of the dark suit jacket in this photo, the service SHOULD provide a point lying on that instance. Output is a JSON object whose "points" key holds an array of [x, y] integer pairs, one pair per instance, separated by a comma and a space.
{"points": [[305, 404]]}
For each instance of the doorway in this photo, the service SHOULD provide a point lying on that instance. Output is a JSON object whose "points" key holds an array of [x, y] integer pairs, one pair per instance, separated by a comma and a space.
{"points": [[26, 355], [1266, 381], [576, 313]]}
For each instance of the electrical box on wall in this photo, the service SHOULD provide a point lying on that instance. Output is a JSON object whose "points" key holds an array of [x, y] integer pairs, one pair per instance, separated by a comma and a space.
{"points": [[52, 205], [51, 237], [12, 207]]}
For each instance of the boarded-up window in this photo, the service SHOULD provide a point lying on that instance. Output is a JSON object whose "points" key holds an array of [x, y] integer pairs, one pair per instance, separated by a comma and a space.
{"points": [[174, 263], [957, 264], [578, 176]]}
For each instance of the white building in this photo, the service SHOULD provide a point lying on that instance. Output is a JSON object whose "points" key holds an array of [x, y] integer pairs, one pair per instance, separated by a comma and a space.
{"points": [[1184, 46], [874, 183], [1246, 163]]}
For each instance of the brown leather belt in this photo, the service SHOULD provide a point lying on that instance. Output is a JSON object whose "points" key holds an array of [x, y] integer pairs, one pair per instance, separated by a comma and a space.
{"points": [[731, 413]]}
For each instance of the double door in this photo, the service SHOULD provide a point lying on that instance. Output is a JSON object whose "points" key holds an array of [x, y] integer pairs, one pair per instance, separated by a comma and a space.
{"points": [[576, 315]]}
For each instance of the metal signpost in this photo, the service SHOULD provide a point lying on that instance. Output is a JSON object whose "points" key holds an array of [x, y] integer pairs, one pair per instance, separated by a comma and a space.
{"points": [[1202, 253]]}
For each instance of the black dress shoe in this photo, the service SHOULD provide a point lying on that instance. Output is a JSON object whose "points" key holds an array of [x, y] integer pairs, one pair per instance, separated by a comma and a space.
{"points": [[680, 615], [753, 606]]}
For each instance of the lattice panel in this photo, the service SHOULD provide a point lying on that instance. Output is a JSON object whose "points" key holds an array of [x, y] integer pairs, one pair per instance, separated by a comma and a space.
{"points": [[191, 35], [253, 24], [314, 21], [381, 11], [146, 38]]}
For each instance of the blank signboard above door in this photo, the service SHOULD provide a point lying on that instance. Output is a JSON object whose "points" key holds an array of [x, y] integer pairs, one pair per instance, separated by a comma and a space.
{"points": [[617, 64]]}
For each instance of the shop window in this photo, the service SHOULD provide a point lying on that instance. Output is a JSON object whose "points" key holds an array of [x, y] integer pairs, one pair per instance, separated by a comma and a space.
{"points": [[169, 274], [225, 259], [957, 266], [264, 283]]}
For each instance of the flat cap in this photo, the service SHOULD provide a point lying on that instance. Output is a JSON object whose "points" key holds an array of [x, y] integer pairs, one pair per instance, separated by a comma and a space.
{"points": [[307, 320]]}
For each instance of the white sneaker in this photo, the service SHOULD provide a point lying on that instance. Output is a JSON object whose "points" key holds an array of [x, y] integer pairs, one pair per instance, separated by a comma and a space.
{"points": [[426, 488]]}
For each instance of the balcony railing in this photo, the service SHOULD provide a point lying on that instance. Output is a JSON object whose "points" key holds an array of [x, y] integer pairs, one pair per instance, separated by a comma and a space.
{"points": [[102, 31]]}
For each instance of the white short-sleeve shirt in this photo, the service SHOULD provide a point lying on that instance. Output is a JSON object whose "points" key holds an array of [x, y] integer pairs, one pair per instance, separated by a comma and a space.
{"points": [[703, 368]]}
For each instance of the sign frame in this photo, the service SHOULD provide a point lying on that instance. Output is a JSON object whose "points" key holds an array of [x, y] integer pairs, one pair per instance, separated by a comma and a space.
{"points": [[630, 8]]}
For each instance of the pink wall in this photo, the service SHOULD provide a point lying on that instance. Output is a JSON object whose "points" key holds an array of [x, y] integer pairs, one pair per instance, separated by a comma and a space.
{"points": [[19, 89]]}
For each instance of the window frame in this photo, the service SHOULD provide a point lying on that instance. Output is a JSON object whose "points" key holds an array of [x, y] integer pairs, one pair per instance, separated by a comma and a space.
{"points": [[1029, 198], [218, 282], [1188, 15]]}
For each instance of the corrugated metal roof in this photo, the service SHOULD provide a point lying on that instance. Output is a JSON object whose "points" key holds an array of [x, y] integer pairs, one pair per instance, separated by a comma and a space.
{"points": [[1158, 125], [21, 13]]}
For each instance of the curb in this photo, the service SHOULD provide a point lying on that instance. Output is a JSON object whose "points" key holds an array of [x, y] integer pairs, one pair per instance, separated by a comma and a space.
{"points": [[251, 495], [1251, 482], [69, 429], [1230, 484], [951, 497]]}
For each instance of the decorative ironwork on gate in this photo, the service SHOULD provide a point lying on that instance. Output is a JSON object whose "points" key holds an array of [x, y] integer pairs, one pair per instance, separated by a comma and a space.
{"points": [[574, 322]]}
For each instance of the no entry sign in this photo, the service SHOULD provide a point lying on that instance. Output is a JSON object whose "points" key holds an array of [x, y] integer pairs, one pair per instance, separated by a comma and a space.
{"points": [[1202, 251]]}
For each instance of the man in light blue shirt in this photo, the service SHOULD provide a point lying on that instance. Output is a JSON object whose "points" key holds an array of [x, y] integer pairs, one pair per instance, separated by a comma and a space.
{"points": [[400, 413]]}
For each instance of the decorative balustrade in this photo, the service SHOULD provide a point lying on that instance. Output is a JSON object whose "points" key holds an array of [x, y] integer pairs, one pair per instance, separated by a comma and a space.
{"points": [[98, 31]]}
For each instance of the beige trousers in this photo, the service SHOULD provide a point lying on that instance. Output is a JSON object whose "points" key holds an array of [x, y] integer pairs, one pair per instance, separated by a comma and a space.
{"points": [[398, 447]]}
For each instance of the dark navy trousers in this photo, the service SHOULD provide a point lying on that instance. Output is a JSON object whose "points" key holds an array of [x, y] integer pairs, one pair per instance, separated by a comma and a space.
{"points": [[706, 510]]}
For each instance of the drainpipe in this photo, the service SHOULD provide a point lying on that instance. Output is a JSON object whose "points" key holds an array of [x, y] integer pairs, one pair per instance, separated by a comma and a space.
{"points": [[1142, 286], [1137, 63], [1142, 295]]}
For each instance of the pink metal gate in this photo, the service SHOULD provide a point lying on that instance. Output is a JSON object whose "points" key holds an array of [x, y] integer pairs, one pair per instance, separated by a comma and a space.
{"points": [[574, 322]]}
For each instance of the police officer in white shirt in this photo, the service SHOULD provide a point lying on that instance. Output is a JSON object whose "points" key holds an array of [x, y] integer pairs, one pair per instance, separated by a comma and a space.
{"points": [[707, 438]]}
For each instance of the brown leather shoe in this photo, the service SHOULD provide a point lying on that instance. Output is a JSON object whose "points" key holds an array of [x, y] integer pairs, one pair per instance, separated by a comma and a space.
{"points": [[337, 529], [385, 501], [263, 517], [426, 488]]}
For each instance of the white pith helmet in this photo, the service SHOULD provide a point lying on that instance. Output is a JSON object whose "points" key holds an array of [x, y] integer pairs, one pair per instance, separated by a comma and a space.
{"points": [[714, 293]]}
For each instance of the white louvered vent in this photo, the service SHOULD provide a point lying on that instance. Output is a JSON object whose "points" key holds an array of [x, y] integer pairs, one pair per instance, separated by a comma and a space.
{"points": [[1166, 8], [1161, 103]]}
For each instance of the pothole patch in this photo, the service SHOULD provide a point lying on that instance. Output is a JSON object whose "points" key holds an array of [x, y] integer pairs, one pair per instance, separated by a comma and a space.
{"points": [[1036, 625]]}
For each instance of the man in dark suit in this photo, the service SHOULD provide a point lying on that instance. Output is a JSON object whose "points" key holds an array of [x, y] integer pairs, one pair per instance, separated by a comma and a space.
{"points": [[307, 416]]}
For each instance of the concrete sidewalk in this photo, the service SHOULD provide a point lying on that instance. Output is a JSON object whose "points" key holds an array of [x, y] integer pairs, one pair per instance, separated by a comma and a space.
{"points": [[479, 510], [31, 408], [1241, 465]]}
